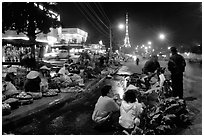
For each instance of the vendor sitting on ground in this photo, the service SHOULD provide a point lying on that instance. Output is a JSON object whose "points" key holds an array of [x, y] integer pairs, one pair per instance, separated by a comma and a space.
{"points": [[32, 83], [64, 73], [45, 73], [105, 107], [45, 78], [10, 76], [8, 87], [130, 111], [64, 69]]}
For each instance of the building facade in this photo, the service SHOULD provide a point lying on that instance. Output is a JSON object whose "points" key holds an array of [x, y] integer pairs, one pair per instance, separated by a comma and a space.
{"points": [[74, 35]]}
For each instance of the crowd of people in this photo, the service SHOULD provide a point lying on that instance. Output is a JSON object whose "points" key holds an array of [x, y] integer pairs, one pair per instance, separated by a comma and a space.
{"points": [[125, 112], [176, 66], [88, 66]]}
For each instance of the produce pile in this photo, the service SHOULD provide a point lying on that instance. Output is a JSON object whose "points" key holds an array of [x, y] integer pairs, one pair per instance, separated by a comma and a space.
{"points": [[58, 82], [165, 117], [72, 89]]}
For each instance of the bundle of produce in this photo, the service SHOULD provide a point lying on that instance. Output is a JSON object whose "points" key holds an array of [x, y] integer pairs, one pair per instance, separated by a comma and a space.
{"points": [[72, 89], [13, 102], [74, 68], [24, 96], [35, 95], [110, 70], [165, 117], [54, 83], [50, 93], [6, 109], [66, 83], [80, 82], [75, 77], [104, 72]]}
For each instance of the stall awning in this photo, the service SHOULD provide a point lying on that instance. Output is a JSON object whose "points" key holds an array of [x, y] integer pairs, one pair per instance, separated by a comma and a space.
{"points": [[21, 42]]}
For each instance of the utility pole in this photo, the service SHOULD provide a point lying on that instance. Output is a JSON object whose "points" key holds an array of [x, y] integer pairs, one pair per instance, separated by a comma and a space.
{"points": [[110, 52], [110, 39]]}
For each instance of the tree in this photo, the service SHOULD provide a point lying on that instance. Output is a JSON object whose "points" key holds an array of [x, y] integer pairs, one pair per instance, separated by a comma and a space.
{"points": [[30, 18]]}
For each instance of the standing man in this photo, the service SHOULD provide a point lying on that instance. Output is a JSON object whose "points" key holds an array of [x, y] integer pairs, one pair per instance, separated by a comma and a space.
{"points": [[176, 66], [137, 61]]}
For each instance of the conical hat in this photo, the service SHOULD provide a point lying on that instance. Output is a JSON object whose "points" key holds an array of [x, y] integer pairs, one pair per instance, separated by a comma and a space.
{"points": [[45, 67], [32, 75]]}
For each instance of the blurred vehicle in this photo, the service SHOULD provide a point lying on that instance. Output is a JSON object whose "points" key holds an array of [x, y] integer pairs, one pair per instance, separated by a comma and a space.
{"points": [[63, 54], [59, 54]]}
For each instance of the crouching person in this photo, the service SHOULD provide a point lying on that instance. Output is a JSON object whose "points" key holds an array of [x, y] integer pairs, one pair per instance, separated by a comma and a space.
{"points": [[106, 111], [130, 111]]}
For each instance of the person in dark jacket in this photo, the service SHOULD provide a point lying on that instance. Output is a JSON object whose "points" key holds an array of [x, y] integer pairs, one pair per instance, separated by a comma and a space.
{"points": [[151, 65], [32, 83], [137, 61], [176, 66]]}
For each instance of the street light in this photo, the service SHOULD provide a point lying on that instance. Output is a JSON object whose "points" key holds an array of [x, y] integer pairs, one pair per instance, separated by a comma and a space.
{"points": [[121, 26], [161, 36], [149, 42]]}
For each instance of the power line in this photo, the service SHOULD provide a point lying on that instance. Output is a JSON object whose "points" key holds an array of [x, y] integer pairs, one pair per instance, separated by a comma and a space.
{"points": [[93, 18], [102, 11], [96, 15], [84, 11]]}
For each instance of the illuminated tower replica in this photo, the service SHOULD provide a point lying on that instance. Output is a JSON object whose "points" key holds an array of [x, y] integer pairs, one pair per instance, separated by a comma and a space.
{"points": [[126, 41]]}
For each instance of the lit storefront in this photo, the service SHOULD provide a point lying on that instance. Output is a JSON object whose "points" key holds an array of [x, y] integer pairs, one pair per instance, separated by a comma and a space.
{"points": [[74, 35], [96, 48], [73, 41]]}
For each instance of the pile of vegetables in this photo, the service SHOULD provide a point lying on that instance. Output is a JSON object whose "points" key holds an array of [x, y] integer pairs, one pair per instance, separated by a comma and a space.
{"points": [[163, 118]]}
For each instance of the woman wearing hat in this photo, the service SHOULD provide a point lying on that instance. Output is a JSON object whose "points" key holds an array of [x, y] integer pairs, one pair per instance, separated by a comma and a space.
{"points": [[45, 72], [45, 78], [32, 83]]}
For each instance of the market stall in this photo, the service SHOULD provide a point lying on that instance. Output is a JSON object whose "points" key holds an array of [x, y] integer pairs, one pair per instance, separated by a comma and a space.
{"points": [[18, 51]]}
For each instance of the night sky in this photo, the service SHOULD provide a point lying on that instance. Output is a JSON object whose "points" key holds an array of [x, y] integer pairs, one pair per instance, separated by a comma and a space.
{"points": [[181, 22]]}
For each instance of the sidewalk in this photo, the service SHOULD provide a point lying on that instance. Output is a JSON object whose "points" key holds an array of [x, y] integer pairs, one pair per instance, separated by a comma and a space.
{"points": [[46, 104]]}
